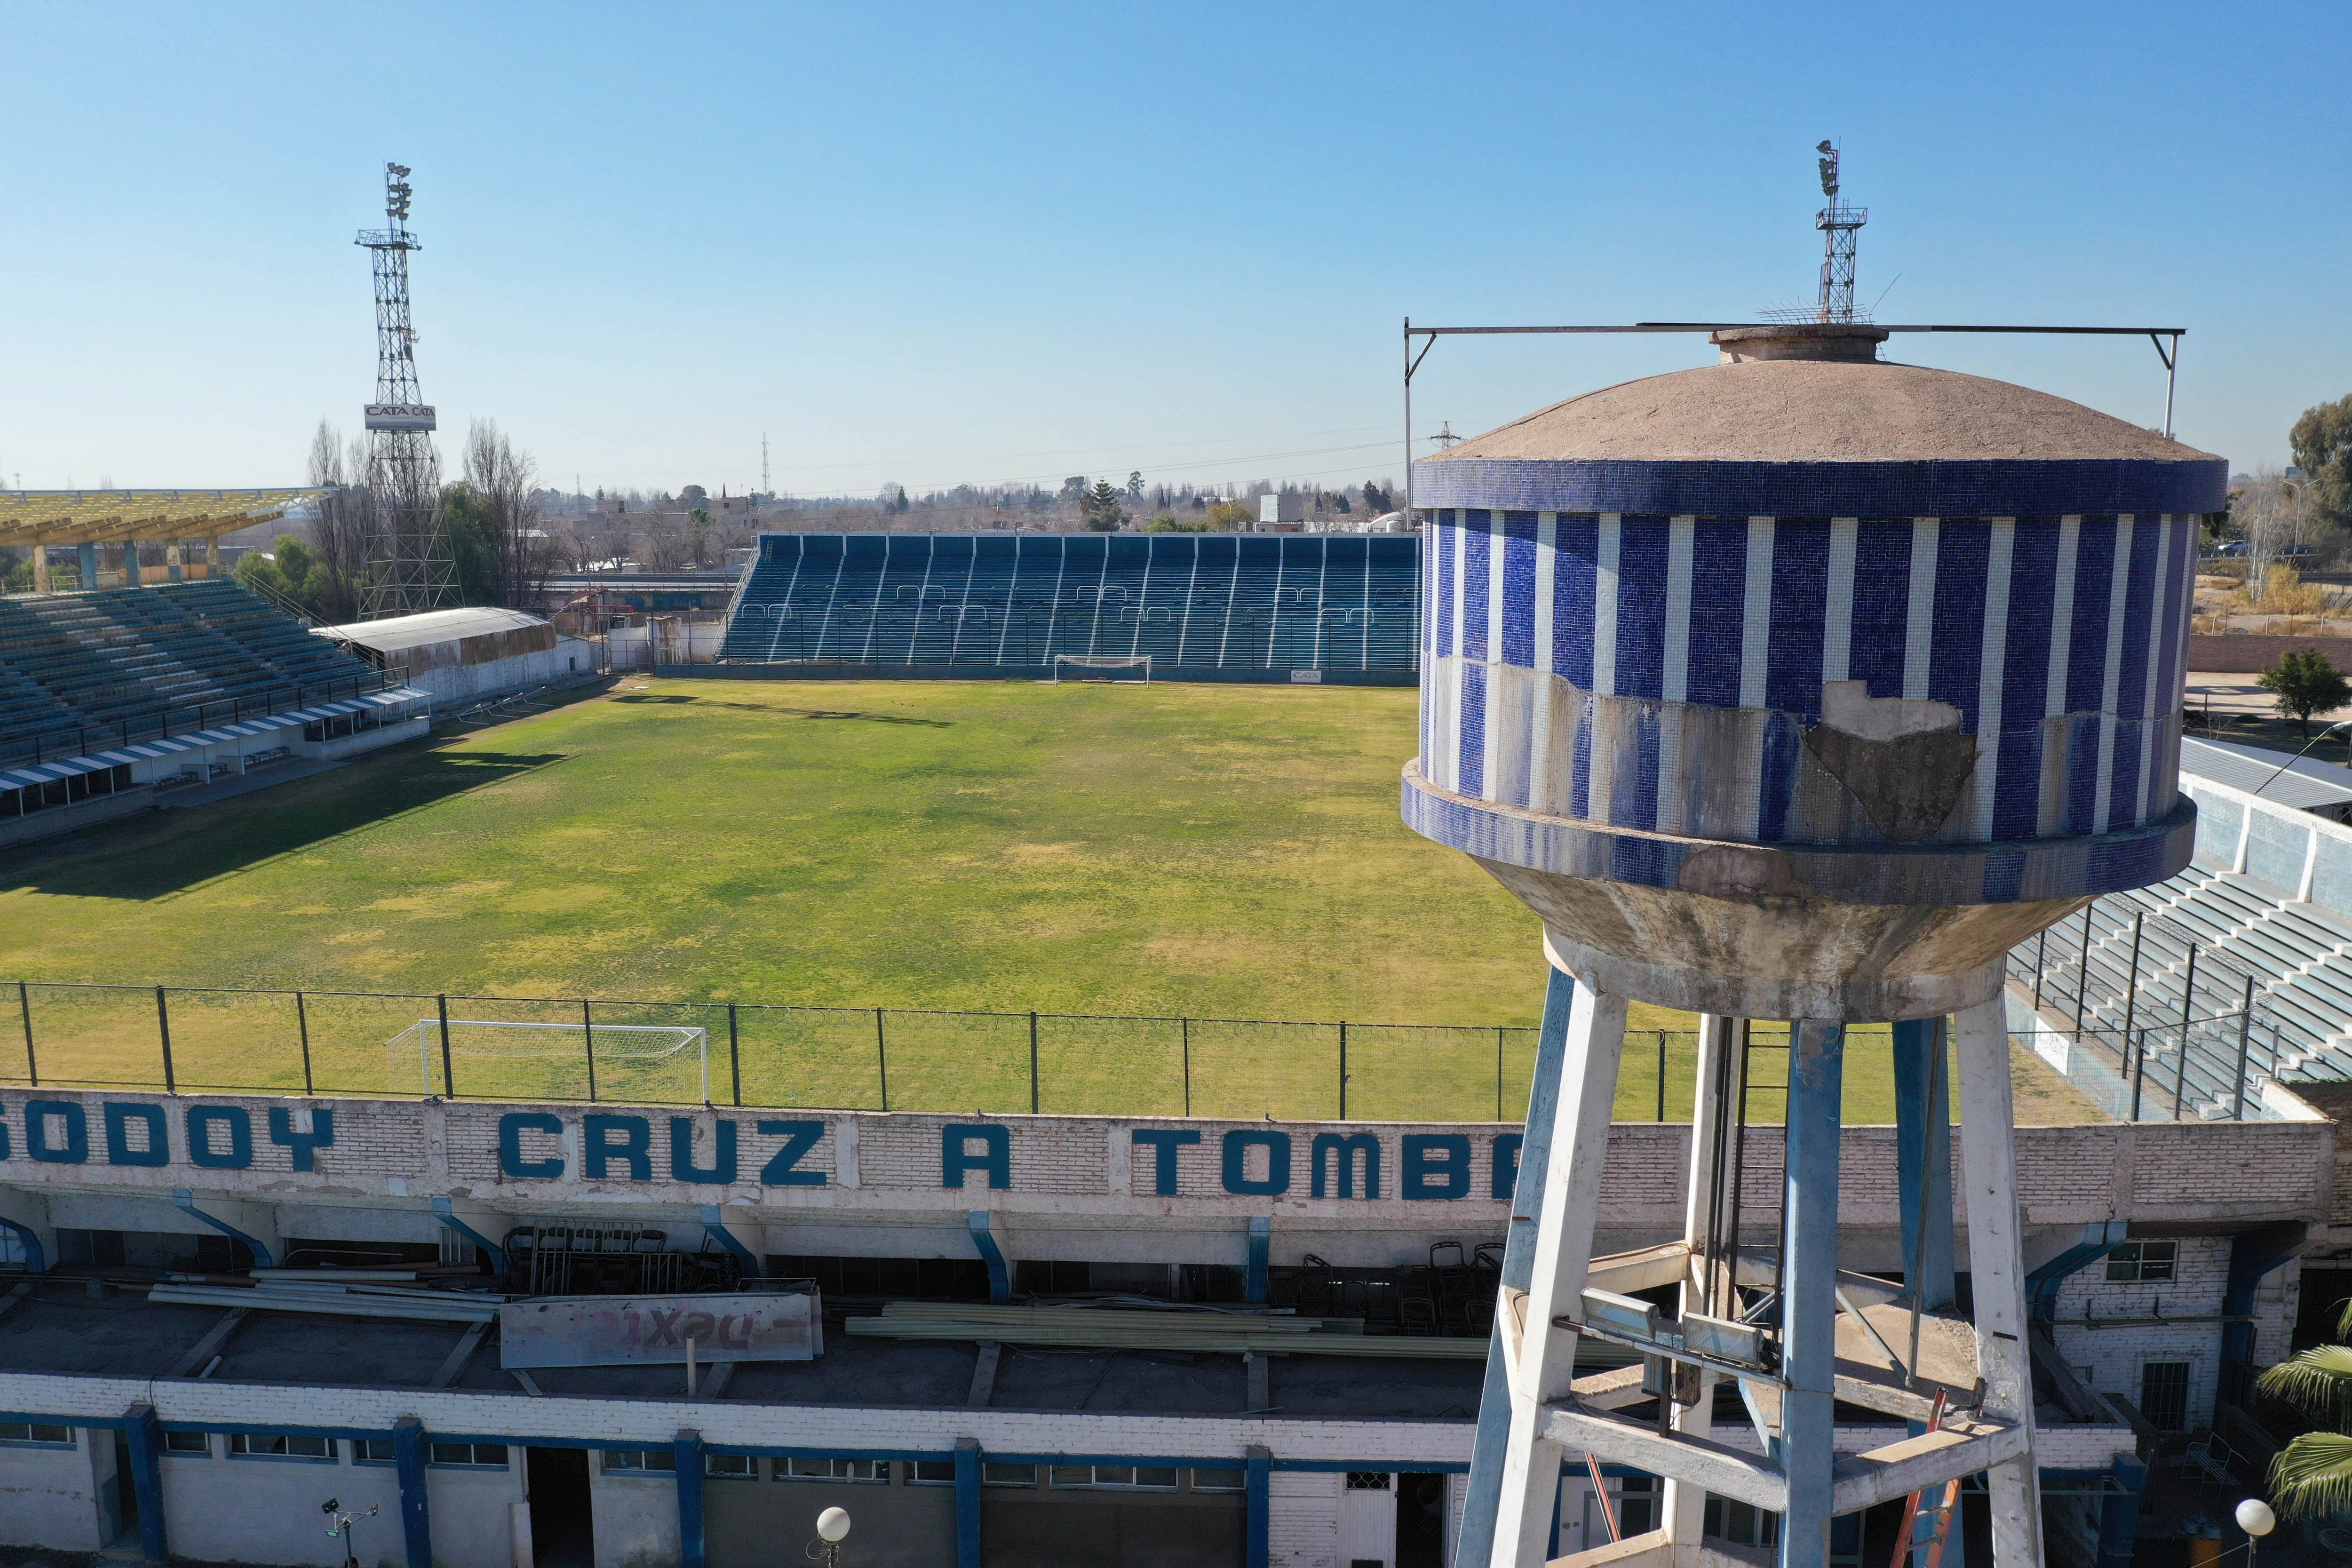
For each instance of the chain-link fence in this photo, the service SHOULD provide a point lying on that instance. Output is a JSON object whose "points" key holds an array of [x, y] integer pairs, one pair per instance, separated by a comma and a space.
{"points": [[218, 1040]]}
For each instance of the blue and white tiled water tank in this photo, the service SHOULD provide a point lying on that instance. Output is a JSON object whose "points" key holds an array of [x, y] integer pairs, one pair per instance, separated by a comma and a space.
{"points": [[1806, 681]]}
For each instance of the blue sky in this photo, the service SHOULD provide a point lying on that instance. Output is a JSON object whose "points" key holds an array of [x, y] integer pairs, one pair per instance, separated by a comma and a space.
{"points": [[932, 244]]}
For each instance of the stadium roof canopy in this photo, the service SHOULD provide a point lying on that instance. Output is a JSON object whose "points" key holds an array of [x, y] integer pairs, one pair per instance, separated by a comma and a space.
{"points": [[105, 517], [2305, 784]]}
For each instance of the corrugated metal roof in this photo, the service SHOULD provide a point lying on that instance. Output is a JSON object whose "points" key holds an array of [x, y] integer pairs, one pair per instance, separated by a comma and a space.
{"points": [[396, 633], [2305, 784]]}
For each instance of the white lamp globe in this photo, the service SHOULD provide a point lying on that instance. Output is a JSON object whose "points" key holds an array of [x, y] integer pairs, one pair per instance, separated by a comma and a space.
{"points": [[2255, 1518], [833, 1524]]}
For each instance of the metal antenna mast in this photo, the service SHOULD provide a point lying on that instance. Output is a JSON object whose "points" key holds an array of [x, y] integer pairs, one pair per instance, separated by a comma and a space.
{"points": [[1838, 224], [409, 564], [764, 488]]}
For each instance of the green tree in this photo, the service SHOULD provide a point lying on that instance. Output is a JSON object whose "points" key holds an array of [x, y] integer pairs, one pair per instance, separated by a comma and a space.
{"points": [[693, 496], [1134, 486], [1375, 499], [2311, 1478], [1099, 509], [2321, 443], [1230, 517], [2304, 682]]}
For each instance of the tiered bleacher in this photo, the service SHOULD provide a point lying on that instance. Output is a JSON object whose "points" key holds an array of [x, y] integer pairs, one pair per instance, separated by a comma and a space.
{"points": [[1213, 606], [79, 672], [2264, 913]]}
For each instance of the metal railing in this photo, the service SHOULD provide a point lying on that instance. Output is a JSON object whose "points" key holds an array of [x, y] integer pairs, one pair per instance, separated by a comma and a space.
{"points": [[159, 723], [198, 1039]]}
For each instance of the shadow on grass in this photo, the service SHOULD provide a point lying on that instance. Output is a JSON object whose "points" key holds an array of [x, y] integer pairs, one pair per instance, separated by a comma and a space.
{"points": [[159, 854], [668, 699]]}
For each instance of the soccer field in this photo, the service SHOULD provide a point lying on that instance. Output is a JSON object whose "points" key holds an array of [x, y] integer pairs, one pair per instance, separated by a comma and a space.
{"points": [[1208, 851]]}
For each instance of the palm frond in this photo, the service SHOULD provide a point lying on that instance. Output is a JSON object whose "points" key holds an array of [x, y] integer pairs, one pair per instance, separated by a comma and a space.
{"points": [[2311, 1476], [2317, 1381], [2344, 1318]]}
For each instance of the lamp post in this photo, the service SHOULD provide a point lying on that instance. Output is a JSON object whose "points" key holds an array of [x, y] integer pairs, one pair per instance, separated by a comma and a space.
{"points": [[340, 1530], [2255, 1518], [832, 1530]]}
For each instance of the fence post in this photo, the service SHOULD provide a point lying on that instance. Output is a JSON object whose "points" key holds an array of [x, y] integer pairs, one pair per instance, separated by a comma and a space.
{"points": [[1186, 1025], [1661, 1074], [25, 1006], [2245, 1039], [1343, 1072], [449, 1073], [2041, 947], [734, 1055], [2187, 1008], [164, 1035], [588, 1033], [2131, 987], [1032, 1064], [1498, 1074], [2140, 1069], [302, 1023], [881, 1059], [2083, 978]]}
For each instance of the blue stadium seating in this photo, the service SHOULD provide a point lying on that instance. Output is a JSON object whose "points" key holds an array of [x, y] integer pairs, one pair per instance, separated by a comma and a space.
{"points": [[118, 664], [1198, 604]]}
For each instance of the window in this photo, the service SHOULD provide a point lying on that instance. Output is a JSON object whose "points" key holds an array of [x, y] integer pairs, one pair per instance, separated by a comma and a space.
{"points": [[2164, 1395], [2143, 1260], [468, 1455], [1742, 1524], [35, 1432], [1125, 1477], [638, 1461], [1220, 1480], [188, 1443], [282, 1446], [873, 1472], [372, 1451], [1637, 1500], [932, 1473], [731, 1467], [1367, 1480], [1008, 1475]]}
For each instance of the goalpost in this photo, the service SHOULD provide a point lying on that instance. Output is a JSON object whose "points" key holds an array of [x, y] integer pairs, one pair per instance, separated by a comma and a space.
{"points": [[642, 1061], [1125, 669]]}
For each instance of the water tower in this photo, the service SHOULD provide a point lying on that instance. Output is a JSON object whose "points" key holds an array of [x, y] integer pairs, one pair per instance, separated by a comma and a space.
{"points": [[1799, 687]]}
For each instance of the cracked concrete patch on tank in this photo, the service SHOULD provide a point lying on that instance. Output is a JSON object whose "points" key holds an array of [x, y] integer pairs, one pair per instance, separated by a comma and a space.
{"points": [[1905, 761]]}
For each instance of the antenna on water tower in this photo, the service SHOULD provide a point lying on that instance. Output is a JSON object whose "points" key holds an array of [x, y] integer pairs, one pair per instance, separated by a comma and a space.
{"points": [[1838, 224]]}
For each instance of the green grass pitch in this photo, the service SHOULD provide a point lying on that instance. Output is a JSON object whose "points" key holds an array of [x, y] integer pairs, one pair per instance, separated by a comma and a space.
{"points": [[1177, 850]]}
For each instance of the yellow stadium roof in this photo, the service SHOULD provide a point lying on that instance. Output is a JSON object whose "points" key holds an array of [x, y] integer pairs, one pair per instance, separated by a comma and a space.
{"points": [[101, 516]]}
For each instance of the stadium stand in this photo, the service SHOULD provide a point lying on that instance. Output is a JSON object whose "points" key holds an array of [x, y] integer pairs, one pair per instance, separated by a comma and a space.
{"points": [[117, 666], [1202, 607], [2267, 900]]}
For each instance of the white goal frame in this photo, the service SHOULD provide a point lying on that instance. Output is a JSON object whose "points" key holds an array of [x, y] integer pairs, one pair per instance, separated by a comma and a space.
{"points": [[680, 1039], [1103, 661]]}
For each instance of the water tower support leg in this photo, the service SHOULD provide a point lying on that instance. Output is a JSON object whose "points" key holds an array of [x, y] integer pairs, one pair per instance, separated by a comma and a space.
{"points": [[1546, 1362], [1684, 1513], [1996, 1266], [1809, 1430]]}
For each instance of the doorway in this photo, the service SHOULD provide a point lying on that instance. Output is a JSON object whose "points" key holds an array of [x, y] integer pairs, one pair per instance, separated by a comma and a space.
{"points": [[1421, 1520], [120, 1499], [1368, 1520], [562, 1533]]}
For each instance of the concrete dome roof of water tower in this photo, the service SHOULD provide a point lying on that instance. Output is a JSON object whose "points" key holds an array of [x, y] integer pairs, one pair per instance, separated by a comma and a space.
{"points": [[1819, 411]]}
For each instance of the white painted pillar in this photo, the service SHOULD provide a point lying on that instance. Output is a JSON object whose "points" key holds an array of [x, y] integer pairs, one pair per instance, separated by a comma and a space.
{"points": [[40, 568], [1545, 1363], [1997, 1263], [1683, 1511]]}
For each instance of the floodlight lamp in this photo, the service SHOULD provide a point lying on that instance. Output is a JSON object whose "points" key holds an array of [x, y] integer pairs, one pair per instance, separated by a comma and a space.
{"points": [[1822, 147], [2255, 1518], [331, 1505], [833, 1524]]}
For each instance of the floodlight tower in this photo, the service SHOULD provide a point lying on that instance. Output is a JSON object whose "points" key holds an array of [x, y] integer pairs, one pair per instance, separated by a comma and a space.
{"points": [[409, 564], [1838, 224]]}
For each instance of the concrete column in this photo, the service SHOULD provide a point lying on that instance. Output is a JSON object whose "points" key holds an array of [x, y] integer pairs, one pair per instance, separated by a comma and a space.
{"points": [[1809, 1290], [1259, 1470], [212, 556], [1481, 1493], [1546, 1365], [1997, 1271], [88, 558], [983, 1241], [1683, 1510], [1261, 1253], [1923, 1137], [416, 1515], [40, 568], [687, 1467], [130, 563], [172, 559], [145, 1435], [25, 1216], [2119, 1514], [966, 1469]]}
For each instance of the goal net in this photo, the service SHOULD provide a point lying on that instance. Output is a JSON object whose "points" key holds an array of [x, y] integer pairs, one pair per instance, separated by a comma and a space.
{"points": [[667, 1063], [1128, 668]]}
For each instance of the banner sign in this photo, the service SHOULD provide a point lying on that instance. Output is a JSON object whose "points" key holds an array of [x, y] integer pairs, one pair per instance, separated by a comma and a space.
{"points": [[629, 1331]]}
